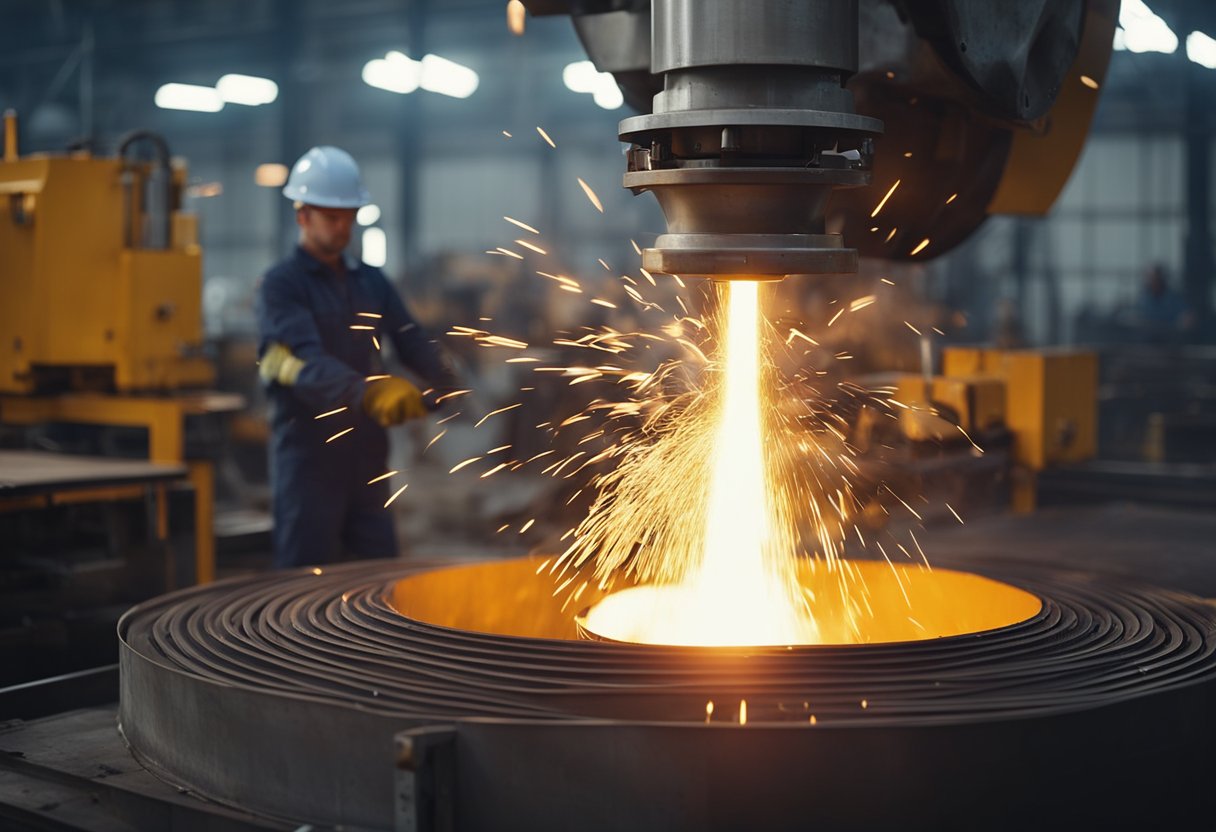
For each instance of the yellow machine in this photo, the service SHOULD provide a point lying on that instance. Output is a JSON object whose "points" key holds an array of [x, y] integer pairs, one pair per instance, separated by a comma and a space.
{"points": [[1047, 398], [101, 304], [100, 274]]}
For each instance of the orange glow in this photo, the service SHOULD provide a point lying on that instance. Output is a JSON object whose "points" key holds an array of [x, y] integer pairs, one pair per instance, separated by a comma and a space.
{"points": [[515, 597]]}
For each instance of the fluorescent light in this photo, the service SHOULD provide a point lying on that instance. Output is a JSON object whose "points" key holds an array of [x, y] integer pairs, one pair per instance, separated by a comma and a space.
{"points": [[205, 189], [580, 76], [447, 77], [270, 175], [368, 215], [515, 17], [375, 247], [394, 72], [1201, 49], [1143, 31], [608, 94], [249, 90], [189, 97], [583, 77]]}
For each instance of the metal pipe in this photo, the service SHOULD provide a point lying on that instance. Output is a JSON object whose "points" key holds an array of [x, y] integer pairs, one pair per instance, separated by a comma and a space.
{"points": [[157, 202], [10, 135]]}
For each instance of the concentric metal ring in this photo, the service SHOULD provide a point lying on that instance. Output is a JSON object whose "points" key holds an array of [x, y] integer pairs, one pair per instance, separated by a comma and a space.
{"points": [[314, 673]]}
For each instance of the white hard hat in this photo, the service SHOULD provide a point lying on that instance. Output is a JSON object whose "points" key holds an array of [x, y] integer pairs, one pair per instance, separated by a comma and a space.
{"points": [[328, 178]]}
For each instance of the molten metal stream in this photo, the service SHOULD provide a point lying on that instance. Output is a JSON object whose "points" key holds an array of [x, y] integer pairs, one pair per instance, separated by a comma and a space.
{"points": [[744, 591]]}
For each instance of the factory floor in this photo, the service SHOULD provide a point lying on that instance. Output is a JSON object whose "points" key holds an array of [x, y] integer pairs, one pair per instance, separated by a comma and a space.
{"points": [[1168, 547]]}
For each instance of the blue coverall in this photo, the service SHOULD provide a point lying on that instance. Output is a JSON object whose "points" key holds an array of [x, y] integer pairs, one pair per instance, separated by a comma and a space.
{"points": [[324, 509]]}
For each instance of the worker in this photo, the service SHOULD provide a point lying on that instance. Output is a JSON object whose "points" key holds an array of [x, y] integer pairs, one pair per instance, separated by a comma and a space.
{"points": [[321, 317], [1161, 312]]}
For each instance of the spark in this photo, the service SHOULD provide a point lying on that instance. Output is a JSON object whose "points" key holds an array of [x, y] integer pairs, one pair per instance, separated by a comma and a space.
{"points": [[363, 327], [911, 510], [813, 720], [532, 247], [380, 377], [376, 343], [742, 711], [495, 469], [464, 464], [886, 281], [509, 253], [338, 435], [709, 709], [383, 476], [914, 329], [919, 247], [952, 198], [794, 333], [602, 302], [448, 396], [864, 704], [969, 439], [1089, 82], [434, 439], [560, 278], [883, 201], [527, 525], [545, 136], [862, 303], [396, 494], [375, 315], [595, 200], [889, 236], [330, 413], [506, 526], [839, 312], [505, 133], [634, 243], [522, 225], [496, 412], [955, 513], [316, 570]]}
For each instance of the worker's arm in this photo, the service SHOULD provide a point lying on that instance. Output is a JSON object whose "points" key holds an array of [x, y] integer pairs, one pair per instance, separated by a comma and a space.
{"points": [[285, 317], [414, 348]]}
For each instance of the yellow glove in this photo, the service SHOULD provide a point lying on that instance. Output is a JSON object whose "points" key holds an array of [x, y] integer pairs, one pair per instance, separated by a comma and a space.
{"points": [[280, 365], [392, 400]]}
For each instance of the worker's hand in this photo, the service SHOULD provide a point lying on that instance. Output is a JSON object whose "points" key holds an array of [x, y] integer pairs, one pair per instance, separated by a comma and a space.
{"points": [[392, 400], [279, 365]]}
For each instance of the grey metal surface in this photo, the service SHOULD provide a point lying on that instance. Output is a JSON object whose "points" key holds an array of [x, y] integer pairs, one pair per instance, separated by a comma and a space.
{"points": [[741, 261], [25, 473], [698, 33], [635, 126], [1138, 765]]}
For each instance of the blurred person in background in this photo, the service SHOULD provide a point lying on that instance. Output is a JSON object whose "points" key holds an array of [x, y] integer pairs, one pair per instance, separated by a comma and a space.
{"points": [[1160, 310]]}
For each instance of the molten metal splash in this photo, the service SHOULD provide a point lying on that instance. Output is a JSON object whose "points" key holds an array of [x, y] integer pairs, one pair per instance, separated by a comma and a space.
{"points": [[743, 591]]}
